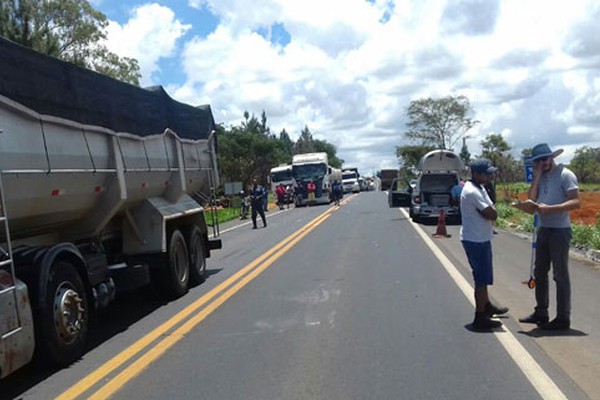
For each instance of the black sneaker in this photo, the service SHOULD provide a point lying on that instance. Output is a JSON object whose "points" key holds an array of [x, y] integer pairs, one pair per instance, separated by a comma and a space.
{"points": [[482, 323], [491, 310], [557, 325], [534, 319]]}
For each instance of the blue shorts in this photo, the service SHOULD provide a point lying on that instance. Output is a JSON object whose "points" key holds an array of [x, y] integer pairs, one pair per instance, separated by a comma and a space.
{"points": [[479, 255]]}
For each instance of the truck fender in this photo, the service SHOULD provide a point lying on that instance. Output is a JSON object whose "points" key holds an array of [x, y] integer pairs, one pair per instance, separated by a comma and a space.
{"points": [[66, 251]]}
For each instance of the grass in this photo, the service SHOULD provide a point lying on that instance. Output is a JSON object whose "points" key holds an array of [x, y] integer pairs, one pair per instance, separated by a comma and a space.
{"points": [[584, 236]]}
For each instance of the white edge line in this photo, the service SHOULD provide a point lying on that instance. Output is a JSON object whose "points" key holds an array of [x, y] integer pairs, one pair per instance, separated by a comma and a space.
{"points": [[532, 370]]}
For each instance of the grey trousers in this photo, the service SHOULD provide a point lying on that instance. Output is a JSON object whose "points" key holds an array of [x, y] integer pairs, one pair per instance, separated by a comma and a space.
{"points": [[552, 247]]}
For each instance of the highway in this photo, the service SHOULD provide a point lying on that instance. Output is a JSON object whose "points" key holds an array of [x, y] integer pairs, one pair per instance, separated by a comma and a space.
{"points": [[349, 302]]}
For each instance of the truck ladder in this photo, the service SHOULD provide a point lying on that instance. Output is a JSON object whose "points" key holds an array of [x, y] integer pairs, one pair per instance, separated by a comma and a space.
{"points": [[6, 264]]}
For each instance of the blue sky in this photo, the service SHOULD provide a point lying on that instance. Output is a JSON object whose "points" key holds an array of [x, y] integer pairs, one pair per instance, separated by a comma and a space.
{"points": [[349, 71]]}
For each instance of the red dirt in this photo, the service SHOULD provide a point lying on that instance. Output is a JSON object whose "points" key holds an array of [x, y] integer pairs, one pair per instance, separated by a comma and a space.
{"points": [[590, 206]]}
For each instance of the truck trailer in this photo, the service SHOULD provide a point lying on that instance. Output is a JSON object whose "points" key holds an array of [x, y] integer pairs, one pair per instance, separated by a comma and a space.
{"points": [[101, 192]]}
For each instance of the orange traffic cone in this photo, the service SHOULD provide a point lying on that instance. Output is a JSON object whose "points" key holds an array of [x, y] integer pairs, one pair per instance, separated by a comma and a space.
{"points": [[441, 226]]}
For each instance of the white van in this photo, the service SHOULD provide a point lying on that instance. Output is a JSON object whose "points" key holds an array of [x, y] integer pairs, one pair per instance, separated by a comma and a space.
{"points": [[440, 172]]}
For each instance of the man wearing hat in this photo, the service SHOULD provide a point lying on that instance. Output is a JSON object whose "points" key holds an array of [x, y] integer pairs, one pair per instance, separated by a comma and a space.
{"points": [[555, 189], [478, 215]]}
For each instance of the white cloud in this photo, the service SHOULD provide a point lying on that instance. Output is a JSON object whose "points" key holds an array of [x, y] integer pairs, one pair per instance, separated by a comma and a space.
{"points": [[531, 69], [149, 35]]}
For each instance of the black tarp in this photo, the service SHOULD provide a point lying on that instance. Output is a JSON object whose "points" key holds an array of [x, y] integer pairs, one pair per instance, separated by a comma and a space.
{"points": [[54, 87]]}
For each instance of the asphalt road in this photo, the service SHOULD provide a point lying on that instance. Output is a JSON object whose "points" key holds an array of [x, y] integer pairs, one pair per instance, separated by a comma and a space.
{"points": [[354, 302]]}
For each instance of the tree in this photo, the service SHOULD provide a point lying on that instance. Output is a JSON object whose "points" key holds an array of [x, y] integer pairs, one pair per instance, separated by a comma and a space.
{"points": [[464, 154], [305, 143], [439, 122], [286, 143], [71, 30], [497, 150], [249, 150], [331, 150], [409, 156], [494, 147], [586, 164]]}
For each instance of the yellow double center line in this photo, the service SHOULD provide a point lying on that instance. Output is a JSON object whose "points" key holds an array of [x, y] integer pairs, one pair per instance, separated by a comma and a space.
{"points": [[229, 288]]}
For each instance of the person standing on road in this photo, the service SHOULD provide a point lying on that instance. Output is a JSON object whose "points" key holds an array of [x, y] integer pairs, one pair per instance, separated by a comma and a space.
{"points": [[310, 189], [478, 214], [256, 198], [556, 190], [456, 191]]}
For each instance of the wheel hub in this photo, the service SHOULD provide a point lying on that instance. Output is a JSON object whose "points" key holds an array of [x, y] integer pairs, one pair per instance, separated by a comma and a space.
{"points": [[68, 314]]}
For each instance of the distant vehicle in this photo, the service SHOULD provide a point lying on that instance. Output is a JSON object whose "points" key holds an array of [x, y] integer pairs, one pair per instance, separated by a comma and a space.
{"points": [[312, 167], [350, 182], [440, 172], [281, 175], [399, 195], [362, 184], [386, 177]]}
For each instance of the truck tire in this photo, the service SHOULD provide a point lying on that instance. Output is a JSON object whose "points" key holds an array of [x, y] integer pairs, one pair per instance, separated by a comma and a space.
{"points": [[64, 318], [172, 274], [197, 255]]}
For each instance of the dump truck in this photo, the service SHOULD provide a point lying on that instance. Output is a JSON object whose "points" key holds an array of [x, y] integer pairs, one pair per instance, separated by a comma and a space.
{"points": [[102, 186]]}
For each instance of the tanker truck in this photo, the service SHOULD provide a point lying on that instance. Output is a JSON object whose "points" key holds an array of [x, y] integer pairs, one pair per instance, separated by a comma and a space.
{"points": [[101, 191]]}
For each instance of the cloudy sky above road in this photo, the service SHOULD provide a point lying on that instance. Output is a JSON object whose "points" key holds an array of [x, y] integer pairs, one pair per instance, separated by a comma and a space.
{"points": [[348, 69]]}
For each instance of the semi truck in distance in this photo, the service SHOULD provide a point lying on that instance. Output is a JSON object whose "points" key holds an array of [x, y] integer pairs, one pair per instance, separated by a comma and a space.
{"points": [[313, 167], [101, 185], [281, 175]]}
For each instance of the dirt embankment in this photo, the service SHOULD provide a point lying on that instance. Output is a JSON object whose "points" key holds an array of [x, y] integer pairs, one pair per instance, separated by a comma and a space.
{"points": [[587, 214]]}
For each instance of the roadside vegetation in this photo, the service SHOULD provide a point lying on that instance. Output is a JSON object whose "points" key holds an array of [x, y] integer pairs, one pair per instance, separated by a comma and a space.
{"points": [[586, 235]]}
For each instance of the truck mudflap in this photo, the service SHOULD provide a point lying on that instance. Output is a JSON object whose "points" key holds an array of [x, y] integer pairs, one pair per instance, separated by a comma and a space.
{"points": [[215, 244], [17, 341]]}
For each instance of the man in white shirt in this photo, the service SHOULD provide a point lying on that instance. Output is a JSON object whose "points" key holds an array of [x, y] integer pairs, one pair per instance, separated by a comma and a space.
{"points": [[478, 214]]}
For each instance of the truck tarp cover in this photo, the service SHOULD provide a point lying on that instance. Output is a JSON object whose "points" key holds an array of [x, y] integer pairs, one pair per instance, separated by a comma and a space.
{"points": [[53, 87]]}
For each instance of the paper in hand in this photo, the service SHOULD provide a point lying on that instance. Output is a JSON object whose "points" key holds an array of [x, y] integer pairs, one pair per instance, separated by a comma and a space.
{"points": [[528, 206]]}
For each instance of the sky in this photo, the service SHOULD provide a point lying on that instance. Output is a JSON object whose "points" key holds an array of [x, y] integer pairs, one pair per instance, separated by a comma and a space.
{"points": [[348, 69]]}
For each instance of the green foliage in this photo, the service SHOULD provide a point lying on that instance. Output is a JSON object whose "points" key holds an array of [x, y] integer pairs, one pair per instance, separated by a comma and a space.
{"points": [[71, 30], [409, 156], [224, 215], [439, 122], [331, 150], [250, 151], [586, 164], [584, 236]]}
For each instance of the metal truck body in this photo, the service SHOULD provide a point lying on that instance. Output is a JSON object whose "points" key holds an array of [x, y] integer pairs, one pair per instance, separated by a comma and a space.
{"points": [[88, 210]]}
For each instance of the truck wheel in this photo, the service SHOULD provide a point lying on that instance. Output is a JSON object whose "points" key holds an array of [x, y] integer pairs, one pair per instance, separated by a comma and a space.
{"points": [[64, 318], [197, 257], [177, 269]]}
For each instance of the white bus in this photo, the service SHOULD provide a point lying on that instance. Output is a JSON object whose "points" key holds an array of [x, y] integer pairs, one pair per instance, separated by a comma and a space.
{"points": [[281, 175], [312, 167]]}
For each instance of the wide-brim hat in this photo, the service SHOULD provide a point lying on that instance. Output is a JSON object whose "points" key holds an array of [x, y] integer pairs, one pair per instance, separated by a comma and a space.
{"points": [[543, 150]]}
